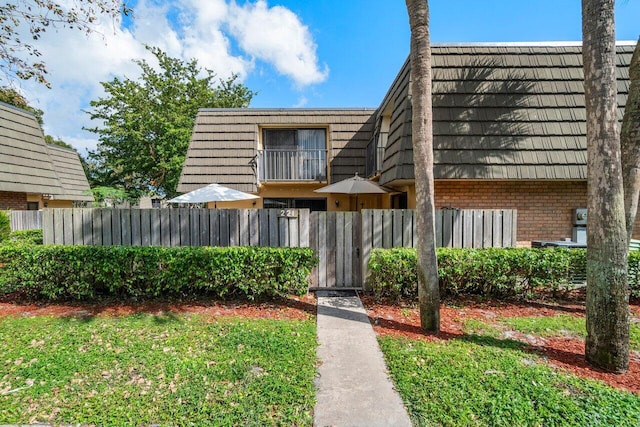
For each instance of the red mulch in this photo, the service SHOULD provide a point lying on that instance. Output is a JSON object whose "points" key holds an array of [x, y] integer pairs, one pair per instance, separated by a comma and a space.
{"points": [[296, 308], [388, 318], [568, 353]]}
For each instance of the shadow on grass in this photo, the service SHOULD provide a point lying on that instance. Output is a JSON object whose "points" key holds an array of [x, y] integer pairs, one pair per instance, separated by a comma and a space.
{"points": [[565, 357]]}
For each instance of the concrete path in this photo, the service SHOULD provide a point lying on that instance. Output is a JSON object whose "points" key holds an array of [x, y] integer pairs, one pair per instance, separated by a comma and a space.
{"points": [[353, 387]]}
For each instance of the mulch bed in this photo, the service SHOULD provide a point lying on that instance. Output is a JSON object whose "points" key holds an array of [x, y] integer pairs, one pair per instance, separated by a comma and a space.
{"points": [[403, 320], [388, 318]]}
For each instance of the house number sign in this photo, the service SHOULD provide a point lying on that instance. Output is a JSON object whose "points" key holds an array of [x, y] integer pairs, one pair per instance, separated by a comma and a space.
{"points": [[288, 213]]}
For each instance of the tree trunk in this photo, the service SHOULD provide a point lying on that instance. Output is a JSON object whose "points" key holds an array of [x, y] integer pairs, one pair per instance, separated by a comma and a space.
{"points": [[422, 136], [630, 144], [607, 344]]}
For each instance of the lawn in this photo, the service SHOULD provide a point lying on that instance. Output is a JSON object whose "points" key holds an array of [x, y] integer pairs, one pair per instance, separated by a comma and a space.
{"points": [[156, 369], [479, 380]]}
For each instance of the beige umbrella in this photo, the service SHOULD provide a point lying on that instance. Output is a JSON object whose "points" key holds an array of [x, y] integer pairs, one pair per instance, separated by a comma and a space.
{"points": [[213, 193], [354, 185]]}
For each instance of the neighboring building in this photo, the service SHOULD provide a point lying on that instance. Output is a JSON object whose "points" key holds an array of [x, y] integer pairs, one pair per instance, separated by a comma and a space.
{"points": [[509, 132], [33, 174]]}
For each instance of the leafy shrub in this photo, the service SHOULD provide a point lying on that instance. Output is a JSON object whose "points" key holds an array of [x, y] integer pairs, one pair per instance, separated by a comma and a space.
{"points": [[497, 272], [5, 226], [26, 237], [634, 273], [57, 272]]}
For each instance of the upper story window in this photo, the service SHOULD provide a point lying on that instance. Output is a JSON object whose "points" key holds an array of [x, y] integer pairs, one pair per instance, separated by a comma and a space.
{"points": [[294, 139], [293, 155]]}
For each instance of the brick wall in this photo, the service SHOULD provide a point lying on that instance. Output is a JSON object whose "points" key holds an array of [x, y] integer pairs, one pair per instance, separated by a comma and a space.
{"points": [[11, 200], [545, 209]]}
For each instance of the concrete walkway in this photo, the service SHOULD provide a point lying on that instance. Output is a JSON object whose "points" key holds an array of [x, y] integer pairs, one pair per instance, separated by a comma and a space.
{"points": [[353, 388]]}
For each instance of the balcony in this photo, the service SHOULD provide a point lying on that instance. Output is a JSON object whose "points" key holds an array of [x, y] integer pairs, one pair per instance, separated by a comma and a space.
{"points": [[375, 154], [292, 165]]}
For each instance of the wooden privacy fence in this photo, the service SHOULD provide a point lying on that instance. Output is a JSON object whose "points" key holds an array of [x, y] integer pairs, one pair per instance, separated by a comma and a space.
{"points": [[177, 227], [343, 241], [457, 228], [26, 220]]}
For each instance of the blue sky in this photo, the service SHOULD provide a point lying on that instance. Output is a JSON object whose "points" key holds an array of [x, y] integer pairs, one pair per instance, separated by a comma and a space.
{"points": [[295, 53]]}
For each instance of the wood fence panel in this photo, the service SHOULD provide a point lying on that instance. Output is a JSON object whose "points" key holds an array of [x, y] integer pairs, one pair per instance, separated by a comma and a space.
{"points": [[224, 227], [184, 227], [76, 215], [274, 236], [407, 228], [478, 230], [101, 227], [506, 229], [47, 227], [214, 228], [26, 220], [387, 229], [165, 227], [497, 229], [145, 227], [367, 244], [487, 238], [304, 225], [243, 226], [263, 220], [254, 228], [467, 229], [340, 254], [397, 228], [136, 228], [322, 249], [457, 228], [194, 227], [356, 271], [155, 227], [331, 249], [439, 230], [313, 244]]}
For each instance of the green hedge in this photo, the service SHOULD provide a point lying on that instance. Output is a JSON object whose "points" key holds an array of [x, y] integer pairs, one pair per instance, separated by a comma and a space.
{"points": [[56, 272], [25, 237], [494, 272], [5, 226]]}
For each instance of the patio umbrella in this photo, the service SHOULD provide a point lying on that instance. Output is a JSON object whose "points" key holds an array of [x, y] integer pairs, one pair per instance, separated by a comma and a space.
{"points": [[213, 193], [354, 185]]}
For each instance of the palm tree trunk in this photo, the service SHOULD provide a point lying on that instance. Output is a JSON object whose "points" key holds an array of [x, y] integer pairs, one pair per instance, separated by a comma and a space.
{"points": [[422, 136], [607, 313]]}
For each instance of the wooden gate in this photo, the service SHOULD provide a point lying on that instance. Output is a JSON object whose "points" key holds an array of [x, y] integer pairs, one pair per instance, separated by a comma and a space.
{"points": [[336, 239]]}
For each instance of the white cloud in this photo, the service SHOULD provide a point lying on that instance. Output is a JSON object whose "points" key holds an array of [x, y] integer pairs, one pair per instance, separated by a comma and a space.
{"points": [[222, 36], [276, 35]]}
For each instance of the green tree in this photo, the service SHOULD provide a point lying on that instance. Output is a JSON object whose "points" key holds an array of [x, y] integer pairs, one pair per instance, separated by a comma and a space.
{"points": [[19, 58], [147, 123], [607, 305], [422, 137], [11, 96]]}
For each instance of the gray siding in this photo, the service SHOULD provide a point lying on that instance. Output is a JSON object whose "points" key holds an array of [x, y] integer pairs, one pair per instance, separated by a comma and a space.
{"points": [[25, 165], [224, 143], [499, 112]]}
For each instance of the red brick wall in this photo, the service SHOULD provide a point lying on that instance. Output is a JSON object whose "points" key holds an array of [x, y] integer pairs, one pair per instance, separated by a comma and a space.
{"points": [[10, 200], [545, 209]]}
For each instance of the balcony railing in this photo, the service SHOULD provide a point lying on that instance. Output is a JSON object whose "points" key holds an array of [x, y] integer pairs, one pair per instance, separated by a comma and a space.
{"points": [[375, 154], [292, 165]]}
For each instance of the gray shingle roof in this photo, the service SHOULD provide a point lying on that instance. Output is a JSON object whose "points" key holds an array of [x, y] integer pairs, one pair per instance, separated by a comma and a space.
{"points": [[29, 165], [25, 165], [75, 185], [500, 112]]}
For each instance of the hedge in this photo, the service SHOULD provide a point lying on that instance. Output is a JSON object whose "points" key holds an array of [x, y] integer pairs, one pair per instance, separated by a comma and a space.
{"points": [[5, 226], [25, 237], [56, 272], [494, 272]]}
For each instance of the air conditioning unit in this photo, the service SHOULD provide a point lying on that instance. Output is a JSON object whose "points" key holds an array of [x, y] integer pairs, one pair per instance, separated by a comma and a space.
{"points": [[580, 216]]}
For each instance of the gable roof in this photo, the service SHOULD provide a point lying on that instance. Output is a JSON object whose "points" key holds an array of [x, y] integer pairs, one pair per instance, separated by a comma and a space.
{"points": [[25, 165], [29, 165], [66, 163], [509, 111]]}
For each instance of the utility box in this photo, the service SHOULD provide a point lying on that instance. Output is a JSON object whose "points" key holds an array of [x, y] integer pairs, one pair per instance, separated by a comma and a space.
{"points": [[580, 216], [580, 235]]}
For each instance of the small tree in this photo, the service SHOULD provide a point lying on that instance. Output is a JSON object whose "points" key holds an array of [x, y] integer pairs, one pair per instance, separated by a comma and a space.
{"points": [[147, 123]]}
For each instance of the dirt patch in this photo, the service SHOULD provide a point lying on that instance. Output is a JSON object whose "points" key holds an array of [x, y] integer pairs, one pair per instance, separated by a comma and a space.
{"points": [[403, 320]]}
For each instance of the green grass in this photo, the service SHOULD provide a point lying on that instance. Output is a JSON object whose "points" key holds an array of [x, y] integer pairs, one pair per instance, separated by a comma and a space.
{"points": [[165, 369], [483, 381], [561, 325]]}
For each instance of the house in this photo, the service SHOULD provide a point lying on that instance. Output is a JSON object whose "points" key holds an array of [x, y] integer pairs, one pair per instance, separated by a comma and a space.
{"points": [[509, 133], [33, 174]]}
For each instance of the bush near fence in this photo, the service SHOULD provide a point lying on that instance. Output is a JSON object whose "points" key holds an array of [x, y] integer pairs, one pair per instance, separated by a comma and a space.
{"points": [[493, 272], [54, 272], [24, 237]]}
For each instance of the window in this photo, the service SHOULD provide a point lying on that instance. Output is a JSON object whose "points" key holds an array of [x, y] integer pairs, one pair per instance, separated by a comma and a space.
{"points": [[33, 206], [293, 155], [311, 204], [294, 139]]}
